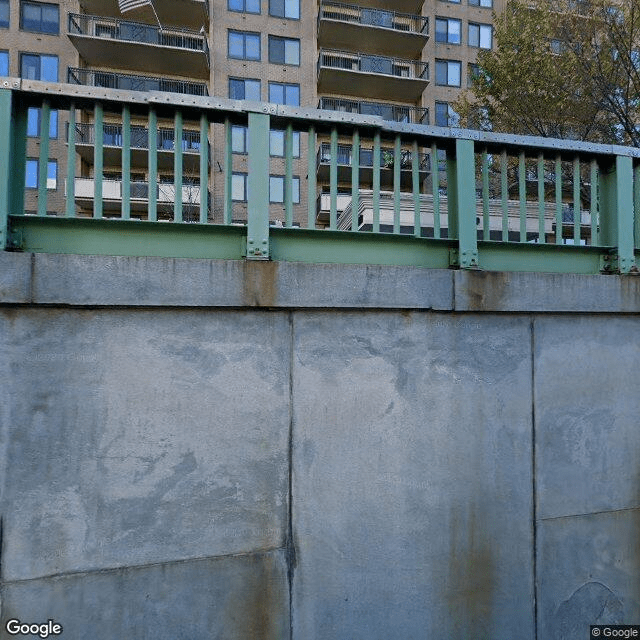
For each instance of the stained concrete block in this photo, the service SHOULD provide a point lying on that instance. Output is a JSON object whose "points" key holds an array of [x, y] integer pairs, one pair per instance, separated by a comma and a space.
{"points": [[412, 477], [546, 292], [127, 281], [588, 568], [230, 598], [587, 402], [143, 437], [15, 277]]}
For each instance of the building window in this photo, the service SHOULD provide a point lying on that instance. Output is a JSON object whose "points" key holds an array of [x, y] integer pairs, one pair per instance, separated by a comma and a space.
{"points": [[276, 143], [244, 45], [284, 50], [39, 67], [448, 30], [34, 117], [276, 189], [480, 35], [284, 93], [445, 115], [285, 9], [244, 6], [4, 13], [473, 71], [31, 176], [448, 73], [239, 187], [37, 16], [4, 63], [487, 4], [244, 89], [238, 139]]}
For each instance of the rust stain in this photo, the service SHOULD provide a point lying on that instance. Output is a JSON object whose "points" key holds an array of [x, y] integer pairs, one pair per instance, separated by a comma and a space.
{"points": [[260, 284], [472, 574], [486, 290]]}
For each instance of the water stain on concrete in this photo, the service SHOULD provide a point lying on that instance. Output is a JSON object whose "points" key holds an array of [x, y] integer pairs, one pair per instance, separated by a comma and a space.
{"points": [[260, 284]]}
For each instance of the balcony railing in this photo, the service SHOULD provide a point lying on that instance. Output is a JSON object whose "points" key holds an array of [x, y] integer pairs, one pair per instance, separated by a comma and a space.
{"points": [[138, 191], [405, 22], [370, 63], [512, 202], [390, 112], [112, 137], [114, 29], [344, 157], [131, 82]]}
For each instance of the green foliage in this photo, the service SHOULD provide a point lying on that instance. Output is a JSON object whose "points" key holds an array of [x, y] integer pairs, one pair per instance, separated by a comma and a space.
{"points": [[562, 69]]}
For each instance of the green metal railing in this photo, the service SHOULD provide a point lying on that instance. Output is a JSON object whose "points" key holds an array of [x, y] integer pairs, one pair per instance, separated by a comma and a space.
{"points": [[459, 198]]}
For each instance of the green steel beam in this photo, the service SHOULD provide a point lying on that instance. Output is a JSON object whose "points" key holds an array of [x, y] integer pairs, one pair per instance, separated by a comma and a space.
{"points": [[6, 169], [258, 187], [541, 258], [43, 160], [86, 236], [70, 209], [177, 167], [204, 168], [288, 176], [98, 159], [311, 179], [624, 213], [126, 163], [347, 247], [153, 165], [465, 203]]}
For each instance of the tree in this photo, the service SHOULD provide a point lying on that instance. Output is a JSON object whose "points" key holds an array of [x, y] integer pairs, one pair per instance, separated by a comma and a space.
{"points": [[563, 69]]}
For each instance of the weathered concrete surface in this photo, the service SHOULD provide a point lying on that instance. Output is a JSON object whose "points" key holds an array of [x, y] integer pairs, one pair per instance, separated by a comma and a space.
{"points": [[15, 277], [587, 402], [546, 292], [142, 437], [104, 280], [588, 573], [412, 477], [231, 598]]}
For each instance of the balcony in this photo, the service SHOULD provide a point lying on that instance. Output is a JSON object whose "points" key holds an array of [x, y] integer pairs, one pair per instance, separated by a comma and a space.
{"points": [[377, 30], [129, 82], [112, 196], [139, 47], [193, 14], [345, 163], [390, 112], [345, 72], [112, 146]]}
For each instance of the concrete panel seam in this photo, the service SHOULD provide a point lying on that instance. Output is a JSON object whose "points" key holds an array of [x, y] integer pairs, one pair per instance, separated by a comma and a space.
{"points": [[133, 567], [290, 545], [534, 489], [586, 515]]}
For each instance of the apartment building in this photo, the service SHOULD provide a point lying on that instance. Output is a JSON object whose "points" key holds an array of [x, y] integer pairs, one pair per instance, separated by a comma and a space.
{"points": [[404, 60]]}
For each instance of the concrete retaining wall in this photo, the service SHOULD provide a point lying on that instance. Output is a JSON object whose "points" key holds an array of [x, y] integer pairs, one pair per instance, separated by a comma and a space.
{"points": [[231, 450]]}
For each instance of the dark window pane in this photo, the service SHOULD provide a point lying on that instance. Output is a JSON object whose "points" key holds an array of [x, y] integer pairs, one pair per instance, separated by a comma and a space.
{"points": [[4, 13], [236, 89], [276, 50]]}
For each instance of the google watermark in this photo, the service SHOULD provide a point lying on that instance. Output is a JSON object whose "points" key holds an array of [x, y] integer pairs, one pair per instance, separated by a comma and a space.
{"points": [[615, 631], [15, 627]]}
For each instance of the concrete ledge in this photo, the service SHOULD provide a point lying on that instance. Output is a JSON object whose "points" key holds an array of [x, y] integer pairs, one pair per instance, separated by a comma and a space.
{"points": [[235, 598], [545, 292], [15, 277], [128, 281]]}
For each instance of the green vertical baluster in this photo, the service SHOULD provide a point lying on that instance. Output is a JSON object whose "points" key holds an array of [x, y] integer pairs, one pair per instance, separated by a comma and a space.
{"points": [[43, 162], [126, 163], [355, 180], [333, 181], [504, 194], [636, 201], [595, 204], [288, 177], [258, 187], [558, 200], [541, 232], [311, 178], [177, 167], [486, 220], [465, 203], [228, 173], [435, 187], [153, 166], [624, 213], [377, 158], [522, 195], [577, 217], [204, 168], [71, 164], [98, 159], [415, 182], [397, 166]]}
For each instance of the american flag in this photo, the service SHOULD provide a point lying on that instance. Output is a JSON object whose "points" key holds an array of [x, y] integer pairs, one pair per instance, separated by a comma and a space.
{"points": [[128, 5]]}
